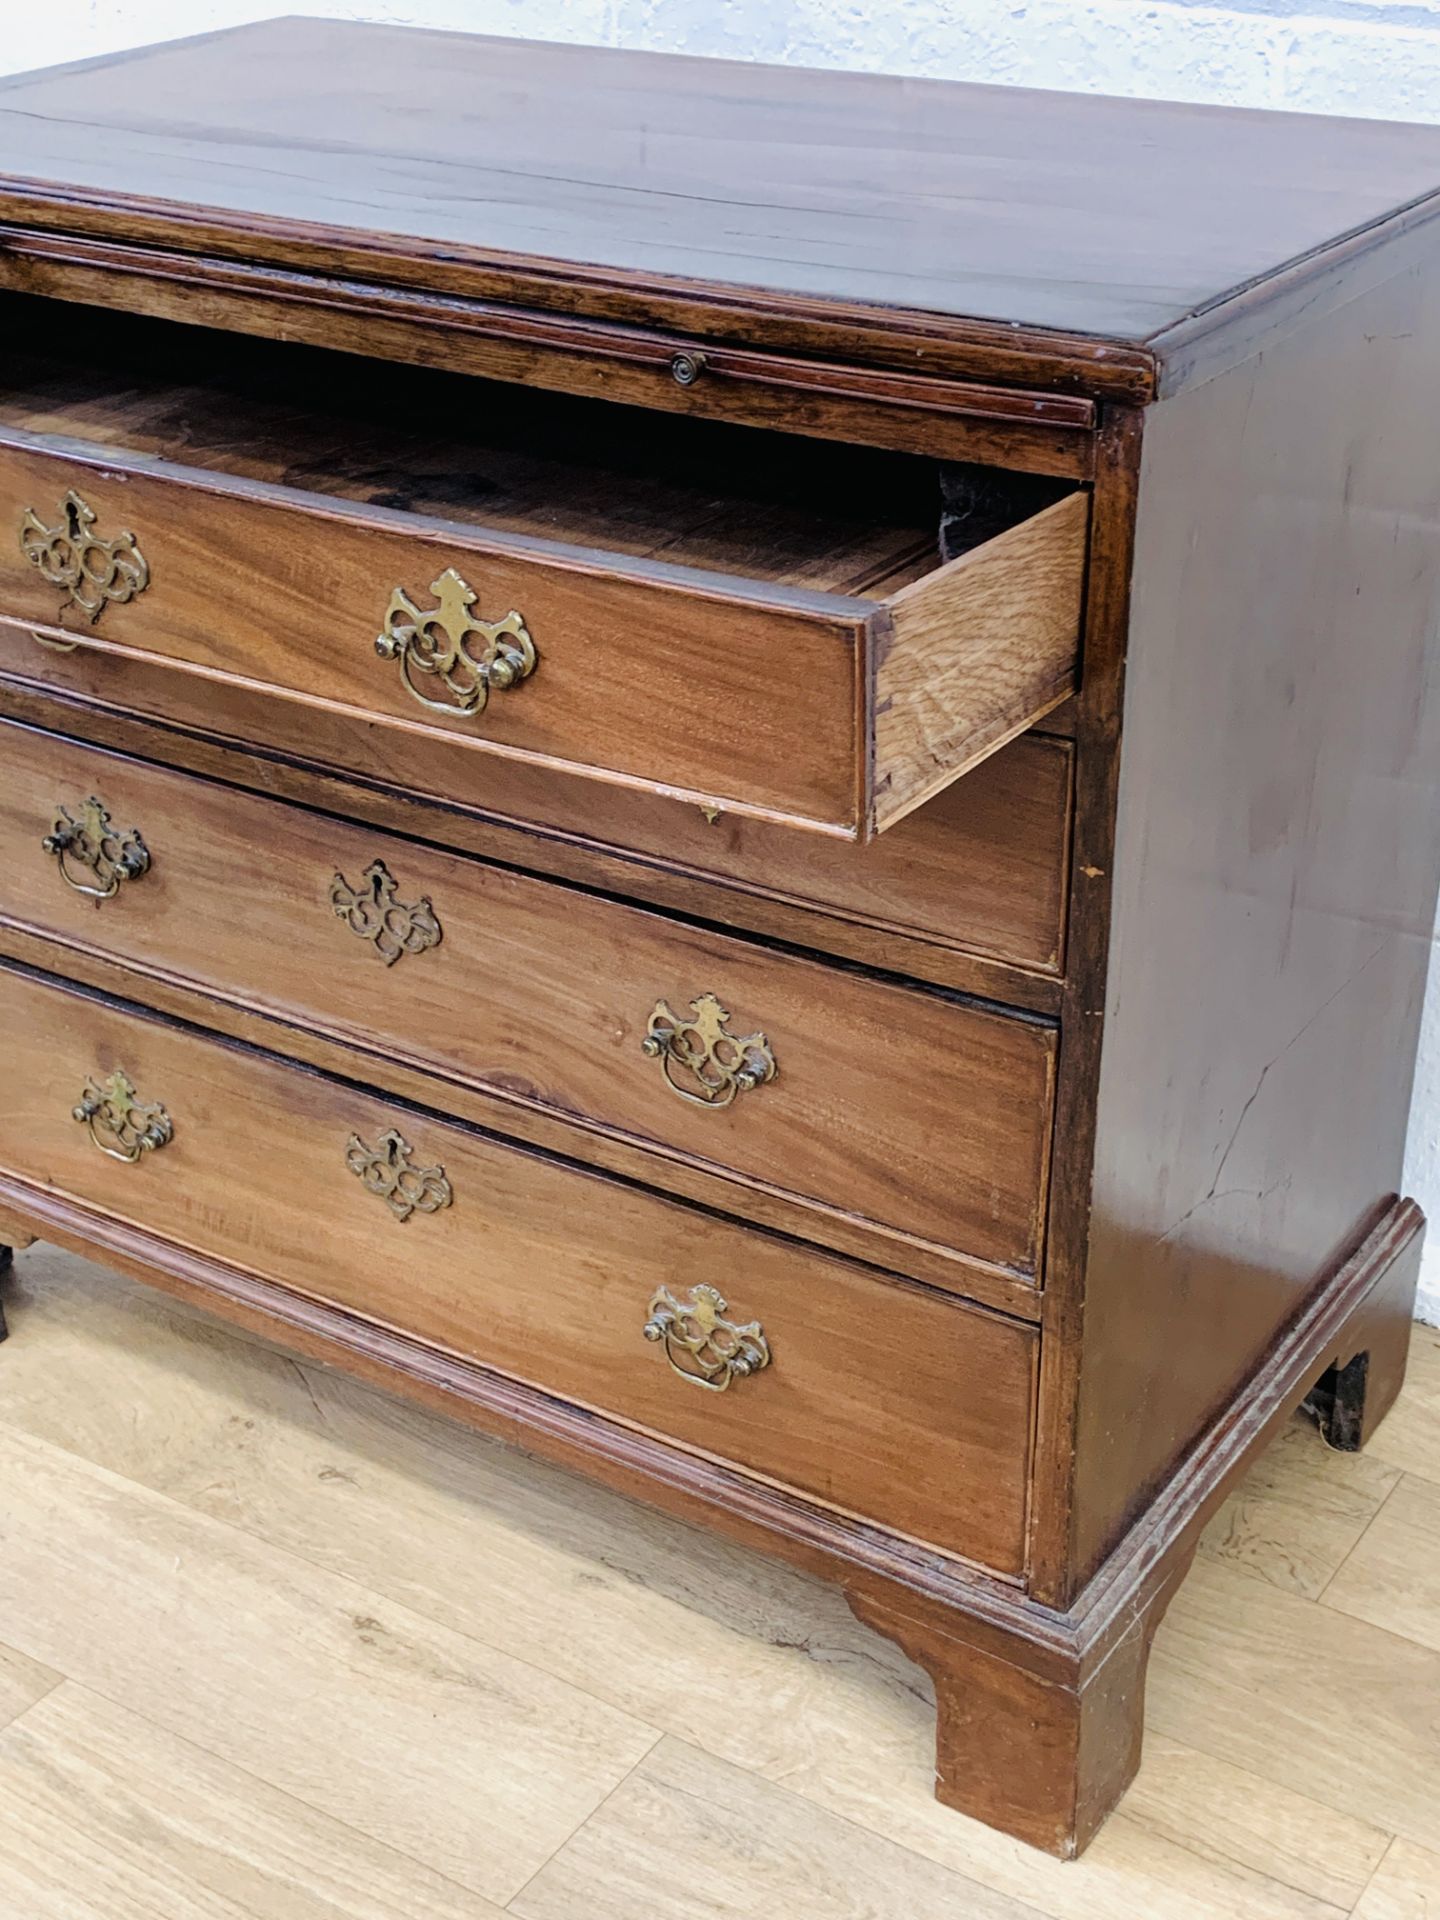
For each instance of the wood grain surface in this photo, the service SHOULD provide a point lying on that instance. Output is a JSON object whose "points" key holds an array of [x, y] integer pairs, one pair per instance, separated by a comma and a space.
{"points": [[665, 662], [539, 997], [632, 680], [867, 393], [22, 1683], [782, 1715], [1275, 870], [180, 1834], [977, 653], [1220, 964], [390, 1073], [839, 187], [543, 1272], [413, 1707], [505, 458], [968, 891]]}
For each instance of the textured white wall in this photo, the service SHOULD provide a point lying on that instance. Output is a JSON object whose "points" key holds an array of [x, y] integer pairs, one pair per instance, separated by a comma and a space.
{"points": [[1372, 57], [1379, 57]]}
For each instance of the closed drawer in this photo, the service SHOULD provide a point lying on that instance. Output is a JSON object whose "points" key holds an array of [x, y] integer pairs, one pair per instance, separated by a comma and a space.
{"points": [[836, 711], [912, 1117], [974, 878], [879, 1398]]}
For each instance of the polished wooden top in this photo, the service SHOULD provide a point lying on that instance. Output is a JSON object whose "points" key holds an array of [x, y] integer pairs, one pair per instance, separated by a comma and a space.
{"points": [[1121, 219]]}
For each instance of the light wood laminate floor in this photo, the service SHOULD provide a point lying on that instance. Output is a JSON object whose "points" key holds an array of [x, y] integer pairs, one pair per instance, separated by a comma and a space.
{"points": [[275, 1647]]}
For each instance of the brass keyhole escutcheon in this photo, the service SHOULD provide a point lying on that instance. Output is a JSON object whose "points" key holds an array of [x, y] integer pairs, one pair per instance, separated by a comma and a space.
{"points": [[375, 911], [94, 856], [701, 1345], [388, 1170], [121, 1124], [73, 557], [450, 661], [703, 1062]]}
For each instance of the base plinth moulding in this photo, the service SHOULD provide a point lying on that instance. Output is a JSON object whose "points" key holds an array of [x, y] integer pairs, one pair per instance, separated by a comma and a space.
{"points": [[1040, 1711]]}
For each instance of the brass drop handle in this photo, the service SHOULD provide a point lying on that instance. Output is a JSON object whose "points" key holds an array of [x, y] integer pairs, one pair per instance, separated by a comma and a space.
{"points": [[701, 1345], [121, 1124], [450, 661], [91, 845], [702, 1062], [91, 571]]}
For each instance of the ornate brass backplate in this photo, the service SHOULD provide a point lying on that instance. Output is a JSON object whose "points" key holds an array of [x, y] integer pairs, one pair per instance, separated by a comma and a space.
{"points": [[73, 557], [120, 1123], [446, 647], [386, 1169], [377, 914], [702, 1062], [93, 846], [700, 1343]]}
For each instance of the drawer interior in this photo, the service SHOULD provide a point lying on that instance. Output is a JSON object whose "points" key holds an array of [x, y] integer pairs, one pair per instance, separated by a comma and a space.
{"points": [[751, 621], [757, 505]]}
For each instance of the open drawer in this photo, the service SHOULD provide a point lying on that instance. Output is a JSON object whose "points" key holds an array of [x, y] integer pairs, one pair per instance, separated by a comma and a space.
{"points": [[760, 625]]}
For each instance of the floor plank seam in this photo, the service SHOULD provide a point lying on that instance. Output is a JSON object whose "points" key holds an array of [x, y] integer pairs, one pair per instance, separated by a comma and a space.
{"points": [[1265, 1857], [581, 1825], [60, 1680], [1354, 1548], [820, 1810], [316, 1566], [1375, 1875], [266, 1786], [1221, 1856]]}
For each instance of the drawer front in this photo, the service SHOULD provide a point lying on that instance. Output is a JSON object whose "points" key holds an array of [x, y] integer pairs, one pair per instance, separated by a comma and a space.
{"points": [[979, 872], [877, 1397], [926, 1119], [825, 711], [654, 675]]}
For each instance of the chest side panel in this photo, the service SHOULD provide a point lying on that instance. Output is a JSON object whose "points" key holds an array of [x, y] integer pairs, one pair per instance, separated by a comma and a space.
{"points": [[1275, 870]]}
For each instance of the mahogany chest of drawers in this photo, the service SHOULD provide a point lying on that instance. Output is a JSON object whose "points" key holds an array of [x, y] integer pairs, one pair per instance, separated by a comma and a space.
{"points": [[730, 769]]}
